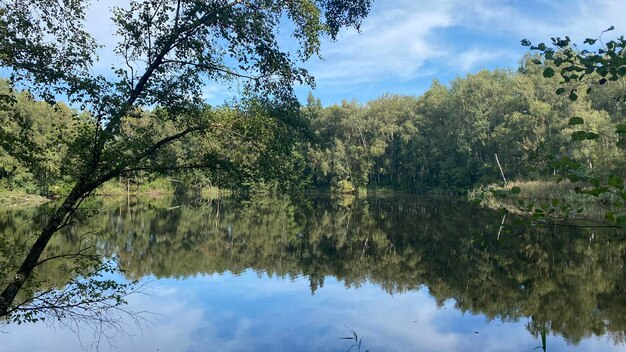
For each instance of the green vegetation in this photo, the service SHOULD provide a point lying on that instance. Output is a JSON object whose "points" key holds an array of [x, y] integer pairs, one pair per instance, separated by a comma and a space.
{"points": [[170, 50], [447, 138], [599, 71], [20, 199], [452, 137], [478, 130], [556, 202], [38, 143]]}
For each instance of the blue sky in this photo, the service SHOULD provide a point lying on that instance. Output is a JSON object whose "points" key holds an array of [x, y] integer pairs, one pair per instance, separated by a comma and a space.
{"points": [[405, 44]]}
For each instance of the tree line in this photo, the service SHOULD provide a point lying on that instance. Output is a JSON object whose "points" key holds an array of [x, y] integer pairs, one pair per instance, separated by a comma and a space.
{"points": [[43, 145], [474, 131], [454, 135]]}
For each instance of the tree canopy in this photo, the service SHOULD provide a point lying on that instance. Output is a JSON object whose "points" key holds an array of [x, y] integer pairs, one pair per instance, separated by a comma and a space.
{"points": [[170, 49]]}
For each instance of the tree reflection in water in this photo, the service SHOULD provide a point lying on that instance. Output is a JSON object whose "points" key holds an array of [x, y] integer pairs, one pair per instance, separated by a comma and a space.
{"points": [[567, 280]]}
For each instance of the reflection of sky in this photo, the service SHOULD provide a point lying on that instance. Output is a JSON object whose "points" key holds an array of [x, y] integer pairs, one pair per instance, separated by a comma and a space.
{"points": [[253, 312]]}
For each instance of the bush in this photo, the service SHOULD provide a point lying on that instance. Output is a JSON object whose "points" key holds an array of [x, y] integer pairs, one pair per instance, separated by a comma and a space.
{"points": [[345, 186]]}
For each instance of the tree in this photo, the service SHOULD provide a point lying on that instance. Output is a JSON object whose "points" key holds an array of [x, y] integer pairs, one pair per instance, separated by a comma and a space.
{"points": [[171, 48], [581, 72]]}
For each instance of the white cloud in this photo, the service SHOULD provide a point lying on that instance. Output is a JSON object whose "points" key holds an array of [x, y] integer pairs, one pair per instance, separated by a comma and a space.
{"points": [[578, 19], [252, 313], [98, 22], [403, 40], [394, 43], [478, 57]]}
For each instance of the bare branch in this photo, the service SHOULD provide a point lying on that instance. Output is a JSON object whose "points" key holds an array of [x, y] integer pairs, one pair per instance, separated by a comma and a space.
{"points": [[78, 254], [210, 67]]}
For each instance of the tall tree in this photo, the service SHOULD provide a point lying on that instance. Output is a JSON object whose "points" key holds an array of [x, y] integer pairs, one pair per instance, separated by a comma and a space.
{"points": [[580, 73], [170, 48]]}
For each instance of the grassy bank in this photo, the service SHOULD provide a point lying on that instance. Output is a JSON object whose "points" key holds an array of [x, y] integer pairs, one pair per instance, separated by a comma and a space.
{"points": [[20, 199], [155, 187], [544, 199], [114, 189], [532, 190]]}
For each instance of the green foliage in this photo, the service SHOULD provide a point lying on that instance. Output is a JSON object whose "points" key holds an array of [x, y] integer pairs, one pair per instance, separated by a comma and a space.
{"points": [[345, 186], [449, 137], [36, 144], [599, 72], [170, 50], [41, 145]]}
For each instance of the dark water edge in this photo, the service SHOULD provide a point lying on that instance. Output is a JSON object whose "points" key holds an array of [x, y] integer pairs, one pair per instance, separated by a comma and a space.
{"points": [[405, 273]]}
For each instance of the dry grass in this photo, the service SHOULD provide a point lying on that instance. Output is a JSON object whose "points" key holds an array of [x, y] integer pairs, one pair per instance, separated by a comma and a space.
{"points": [[542, 190], [561, 198], [20, 200]]}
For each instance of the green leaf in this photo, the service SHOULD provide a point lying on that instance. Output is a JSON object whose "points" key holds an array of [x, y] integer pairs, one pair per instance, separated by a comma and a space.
{"points": [[590, 41], [560, 91], [575, 121], [548, 72], [591, 135], [620, 128], [515, 190], [579, 136], [573, 96]]}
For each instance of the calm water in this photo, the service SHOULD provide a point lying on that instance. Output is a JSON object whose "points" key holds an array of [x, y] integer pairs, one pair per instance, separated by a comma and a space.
{"points": [[405, 274]]}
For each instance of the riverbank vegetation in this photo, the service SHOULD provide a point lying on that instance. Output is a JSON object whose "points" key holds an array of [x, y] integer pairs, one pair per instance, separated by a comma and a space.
{"points": [[146, 129], [475, 131]]}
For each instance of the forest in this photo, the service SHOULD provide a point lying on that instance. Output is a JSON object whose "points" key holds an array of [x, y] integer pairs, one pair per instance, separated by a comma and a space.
{"points": [[449, 138], [345, 191]]}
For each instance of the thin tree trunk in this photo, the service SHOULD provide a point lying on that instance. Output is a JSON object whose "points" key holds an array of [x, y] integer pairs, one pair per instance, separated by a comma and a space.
{"points": [[501, 171]]}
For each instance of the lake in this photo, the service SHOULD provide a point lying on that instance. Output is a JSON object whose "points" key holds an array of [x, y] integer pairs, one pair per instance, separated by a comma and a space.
{"points": [[402, 273]]}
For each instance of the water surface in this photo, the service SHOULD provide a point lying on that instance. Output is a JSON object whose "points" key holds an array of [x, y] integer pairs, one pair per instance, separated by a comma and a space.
{"points": [[404, 273]]}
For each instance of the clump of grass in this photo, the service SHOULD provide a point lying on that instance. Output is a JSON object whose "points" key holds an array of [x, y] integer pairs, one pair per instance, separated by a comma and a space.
{"points": [[543, 190], [358, 341], [20, 199], [111, 188], [212, 192], [159, 186], [541, 199], [344, 186], [531, 190]]}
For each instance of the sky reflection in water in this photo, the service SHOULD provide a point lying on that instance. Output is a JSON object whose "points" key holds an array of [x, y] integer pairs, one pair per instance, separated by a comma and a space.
{"points": [[255, 312], [382, 262]]}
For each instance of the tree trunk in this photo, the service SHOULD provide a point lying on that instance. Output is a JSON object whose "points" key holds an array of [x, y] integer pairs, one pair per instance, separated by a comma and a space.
{"points": [[30, 262]]}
